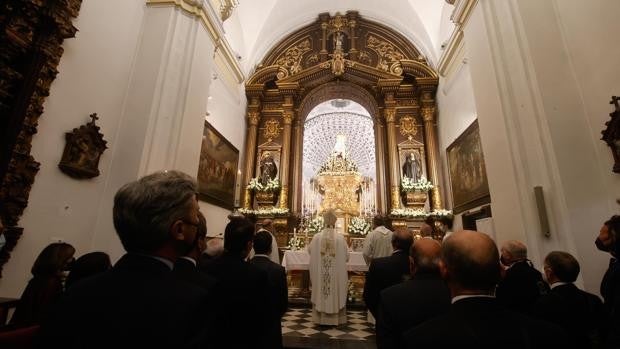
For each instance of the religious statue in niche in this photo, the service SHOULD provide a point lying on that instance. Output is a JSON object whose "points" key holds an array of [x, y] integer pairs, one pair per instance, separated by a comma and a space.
{"points": [[83, 149], [611, 135], [268, 168], [412, 168]]}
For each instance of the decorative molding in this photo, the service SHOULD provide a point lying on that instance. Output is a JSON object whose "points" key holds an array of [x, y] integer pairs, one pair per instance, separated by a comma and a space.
{"points": [[203, 11], [453, 49]]}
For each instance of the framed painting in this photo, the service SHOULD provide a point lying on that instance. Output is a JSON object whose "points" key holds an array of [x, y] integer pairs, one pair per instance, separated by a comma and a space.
{"points": [[217, 169], [468, 176]]}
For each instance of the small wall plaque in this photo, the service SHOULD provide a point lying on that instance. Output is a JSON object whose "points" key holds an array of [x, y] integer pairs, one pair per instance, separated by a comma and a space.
{"points": [[84, 147]]}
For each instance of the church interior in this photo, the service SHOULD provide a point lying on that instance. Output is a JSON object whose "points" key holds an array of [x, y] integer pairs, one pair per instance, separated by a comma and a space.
{"points": [[495, 115]]}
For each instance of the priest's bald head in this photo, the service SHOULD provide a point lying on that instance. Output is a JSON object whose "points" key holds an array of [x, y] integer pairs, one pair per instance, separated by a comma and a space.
{"points": [[470, 263]]}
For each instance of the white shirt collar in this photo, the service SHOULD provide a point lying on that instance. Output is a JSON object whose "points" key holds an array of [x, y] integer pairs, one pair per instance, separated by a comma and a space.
{"points": [[559, 283], [189, 259], [262, 255], [464, 296]]}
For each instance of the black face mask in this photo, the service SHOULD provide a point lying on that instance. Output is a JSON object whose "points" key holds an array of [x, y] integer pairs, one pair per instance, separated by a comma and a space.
{"points": [[601, 245], [503, 261]]}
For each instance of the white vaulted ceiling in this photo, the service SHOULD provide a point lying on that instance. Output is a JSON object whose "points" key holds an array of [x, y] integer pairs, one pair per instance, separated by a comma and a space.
{"points": [[263, 23]]}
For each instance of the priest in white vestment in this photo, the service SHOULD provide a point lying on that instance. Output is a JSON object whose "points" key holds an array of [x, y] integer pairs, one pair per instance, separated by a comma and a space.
{"points": [[378, 243], [328, 274]]}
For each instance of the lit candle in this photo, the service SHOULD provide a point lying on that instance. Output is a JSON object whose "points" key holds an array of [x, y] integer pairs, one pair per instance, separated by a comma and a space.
{"points": [[294, 232]]}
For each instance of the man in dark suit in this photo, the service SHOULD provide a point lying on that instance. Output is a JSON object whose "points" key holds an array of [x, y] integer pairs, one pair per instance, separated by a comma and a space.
{"points": [[608, 241], [186, 267], [387, 271], [522, 284], [412, 302], [470, 266], [140, 303], [578, 312], [278, 289], [243, 315]]}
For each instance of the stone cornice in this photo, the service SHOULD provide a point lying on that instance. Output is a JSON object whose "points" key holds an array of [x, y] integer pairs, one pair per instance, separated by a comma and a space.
{"points": [[203, 11], [462, 11]]}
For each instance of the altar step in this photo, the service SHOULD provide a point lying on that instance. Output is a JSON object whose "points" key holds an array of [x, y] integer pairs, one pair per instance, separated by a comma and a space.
{"points": [[298, 331]]}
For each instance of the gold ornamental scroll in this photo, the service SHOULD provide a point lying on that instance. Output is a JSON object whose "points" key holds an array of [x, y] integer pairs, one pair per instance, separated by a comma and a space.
{"points": [[340, 192]]}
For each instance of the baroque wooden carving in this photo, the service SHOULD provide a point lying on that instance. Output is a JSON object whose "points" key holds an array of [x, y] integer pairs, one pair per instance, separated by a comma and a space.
{"points": [[349, 57], [83, 150], [611, 134], [31, 41]]}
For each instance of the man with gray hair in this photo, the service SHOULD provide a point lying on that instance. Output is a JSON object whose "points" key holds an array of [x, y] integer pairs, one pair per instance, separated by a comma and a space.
{"points": [[140, 302], [522, 284], [414, 301], [470, 265]]}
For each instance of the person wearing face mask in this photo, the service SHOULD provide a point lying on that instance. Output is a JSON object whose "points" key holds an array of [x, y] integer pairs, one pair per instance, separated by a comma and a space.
{"points": [[607, 241], [521, 284], [186, 267], [140, 302], [49, 272]]}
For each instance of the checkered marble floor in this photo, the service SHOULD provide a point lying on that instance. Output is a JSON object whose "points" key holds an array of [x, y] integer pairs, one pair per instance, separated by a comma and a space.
{"points": [[297, 322]]}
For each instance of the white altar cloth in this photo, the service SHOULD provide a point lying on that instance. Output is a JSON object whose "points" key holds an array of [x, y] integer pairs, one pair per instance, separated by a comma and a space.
{"points": [[300, 260]]}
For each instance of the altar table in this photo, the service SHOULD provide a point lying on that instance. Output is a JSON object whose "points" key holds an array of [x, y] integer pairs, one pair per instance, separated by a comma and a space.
{"points": [[300, 260]]}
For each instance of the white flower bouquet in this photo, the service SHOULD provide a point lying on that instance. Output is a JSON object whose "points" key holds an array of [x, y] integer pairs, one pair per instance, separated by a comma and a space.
{"points": [[272, 211], [408, 185], [316, 225], [358, 226], [256, 185]]}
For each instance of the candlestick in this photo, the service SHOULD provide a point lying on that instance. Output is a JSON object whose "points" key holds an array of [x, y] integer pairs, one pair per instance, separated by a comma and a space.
{"points": [[238, 189]]}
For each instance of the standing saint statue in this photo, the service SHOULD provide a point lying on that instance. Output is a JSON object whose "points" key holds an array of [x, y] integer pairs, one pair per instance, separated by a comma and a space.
{"points": [[328, 274], [412, 168], [268, 169]]}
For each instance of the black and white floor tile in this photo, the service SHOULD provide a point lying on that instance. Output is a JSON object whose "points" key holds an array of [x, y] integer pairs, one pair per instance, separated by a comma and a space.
{"points": [[297, 322]]}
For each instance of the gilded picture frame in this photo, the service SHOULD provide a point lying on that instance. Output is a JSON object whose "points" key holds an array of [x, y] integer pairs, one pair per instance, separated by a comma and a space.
{"points": [[468, 178], [217, 169]]}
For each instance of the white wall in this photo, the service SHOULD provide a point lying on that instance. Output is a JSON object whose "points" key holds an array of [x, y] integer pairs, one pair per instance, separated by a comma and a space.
{"points": [[457, 110], [147, 71], [539, 81], [94, 72]]}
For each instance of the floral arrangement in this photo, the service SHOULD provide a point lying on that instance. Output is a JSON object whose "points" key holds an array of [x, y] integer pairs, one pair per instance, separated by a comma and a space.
{"points": [[316, 225], [419, 213], [256, 185], [408, 185], [296, 243], [358, 226], [409, 212], [272, 211]]}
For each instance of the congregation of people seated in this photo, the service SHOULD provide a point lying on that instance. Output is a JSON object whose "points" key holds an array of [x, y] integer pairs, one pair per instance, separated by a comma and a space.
{"points": [[171, 290]]}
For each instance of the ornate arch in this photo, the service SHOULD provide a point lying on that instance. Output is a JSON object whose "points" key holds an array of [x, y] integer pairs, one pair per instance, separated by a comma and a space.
{"points": [[338, 89], [342, 56]]}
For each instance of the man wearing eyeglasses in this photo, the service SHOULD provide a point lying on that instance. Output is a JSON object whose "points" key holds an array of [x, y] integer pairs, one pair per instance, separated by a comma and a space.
{"points": [[140, 303]]}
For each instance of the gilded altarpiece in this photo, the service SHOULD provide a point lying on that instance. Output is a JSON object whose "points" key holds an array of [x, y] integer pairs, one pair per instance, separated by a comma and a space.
{"points": [[342, 56]]}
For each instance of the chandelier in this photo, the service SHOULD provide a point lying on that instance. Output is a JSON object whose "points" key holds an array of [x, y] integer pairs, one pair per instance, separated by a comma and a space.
{"points": [[321, 131]]}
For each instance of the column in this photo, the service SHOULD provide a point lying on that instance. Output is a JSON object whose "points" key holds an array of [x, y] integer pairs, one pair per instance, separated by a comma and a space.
{"points": [[381, 184], [253, 116], [390, 117], [353, 52], [287, 118], [430, 136], [296, 192]]}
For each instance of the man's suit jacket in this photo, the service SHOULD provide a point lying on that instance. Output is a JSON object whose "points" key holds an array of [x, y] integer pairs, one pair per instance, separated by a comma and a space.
{"points": [[188, 271], [383, 273], [578, 312], [243, 315], [521, 287], [278, 292], [408, 304], [482, 323], [610, 290], [139, 303]]}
